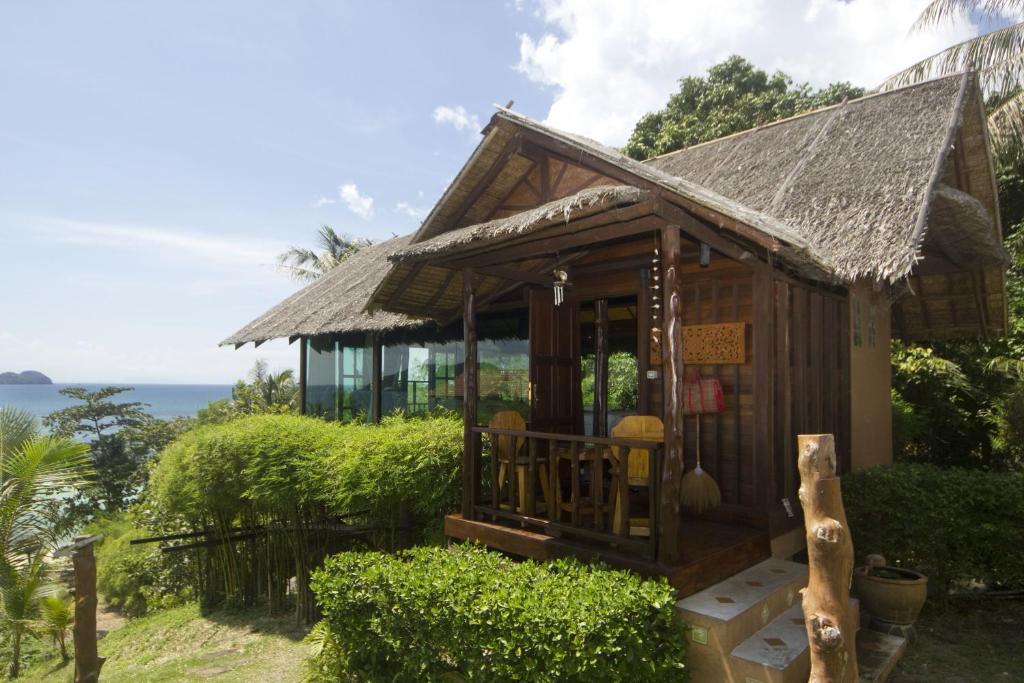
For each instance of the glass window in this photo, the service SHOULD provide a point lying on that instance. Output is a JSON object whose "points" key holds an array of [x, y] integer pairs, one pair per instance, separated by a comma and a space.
{"points": [[504, 355], [321, 377], [420, 377], [338, 374]]}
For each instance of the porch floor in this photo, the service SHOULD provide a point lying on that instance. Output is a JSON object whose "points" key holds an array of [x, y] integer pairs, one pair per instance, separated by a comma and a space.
{"points": [[710, 551]]}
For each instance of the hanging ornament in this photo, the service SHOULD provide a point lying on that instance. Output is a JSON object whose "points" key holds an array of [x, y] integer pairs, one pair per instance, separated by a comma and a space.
{"points": [[560, 285]]}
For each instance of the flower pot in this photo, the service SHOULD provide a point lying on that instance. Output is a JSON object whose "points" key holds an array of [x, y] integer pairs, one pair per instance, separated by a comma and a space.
{"points": [[891, 594]]}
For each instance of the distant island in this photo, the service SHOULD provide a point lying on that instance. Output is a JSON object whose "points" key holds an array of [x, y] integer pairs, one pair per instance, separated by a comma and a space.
{"points": [[26, 377]]}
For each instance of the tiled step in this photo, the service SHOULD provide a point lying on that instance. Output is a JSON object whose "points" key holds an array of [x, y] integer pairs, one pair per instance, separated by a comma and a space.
{"points": [[722, 616], [778, 652]]}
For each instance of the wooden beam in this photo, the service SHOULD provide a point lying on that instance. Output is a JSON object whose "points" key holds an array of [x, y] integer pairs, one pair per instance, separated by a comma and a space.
{"points": [[674, 396], [516, 275], [303, 377], [703, 233], [481, 186], [601, 368], [575, 155], [376, 370], [764, 388], [470, 478], [551, 241]]}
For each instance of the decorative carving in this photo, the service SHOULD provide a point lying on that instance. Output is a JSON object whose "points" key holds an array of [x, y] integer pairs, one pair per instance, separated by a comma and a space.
{"points": [[716, 344]]}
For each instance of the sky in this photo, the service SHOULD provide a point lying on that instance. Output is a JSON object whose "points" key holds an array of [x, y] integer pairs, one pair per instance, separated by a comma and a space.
{"points": [[155, 157]]}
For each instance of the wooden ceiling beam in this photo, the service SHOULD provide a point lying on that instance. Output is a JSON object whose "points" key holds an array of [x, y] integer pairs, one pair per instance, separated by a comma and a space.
{"points": [[516, 275], [510, 148], [547, 243], [533, 141]]}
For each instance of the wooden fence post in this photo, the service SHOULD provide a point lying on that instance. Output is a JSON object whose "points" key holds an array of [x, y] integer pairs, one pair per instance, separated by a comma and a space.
{"points": [[87, 659], [826, 600]]}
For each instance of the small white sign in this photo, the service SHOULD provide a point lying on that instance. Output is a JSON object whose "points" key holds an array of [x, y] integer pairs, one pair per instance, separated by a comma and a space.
{"points": [[789, 507], [652, 374]]}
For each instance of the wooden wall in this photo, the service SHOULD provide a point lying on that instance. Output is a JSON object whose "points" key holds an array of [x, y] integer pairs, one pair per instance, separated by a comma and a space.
{"points": [[809, 385], [727, 438]]}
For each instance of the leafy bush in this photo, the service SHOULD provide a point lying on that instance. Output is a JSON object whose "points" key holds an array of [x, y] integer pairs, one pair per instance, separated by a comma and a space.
{"points": [[431, 613], [951, 524], [135, 579], [293, 476]]}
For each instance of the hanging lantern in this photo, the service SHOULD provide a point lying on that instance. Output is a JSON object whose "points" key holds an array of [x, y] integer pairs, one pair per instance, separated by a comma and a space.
{"points": [[560, 285]]}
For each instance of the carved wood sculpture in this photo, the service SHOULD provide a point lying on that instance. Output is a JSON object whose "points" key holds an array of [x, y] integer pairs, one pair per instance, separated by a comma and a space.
{"points": [[826, 600]]}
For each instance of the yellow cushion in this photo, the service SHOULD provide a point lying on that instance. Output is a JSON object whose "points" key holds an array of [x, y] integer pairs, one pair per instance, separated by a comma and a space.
{"points": [[645, 428]]}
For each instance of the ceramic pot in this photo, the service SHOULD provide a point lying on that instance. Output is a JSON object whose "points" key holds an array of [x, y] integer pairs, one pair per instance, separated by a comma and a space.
{"points": [[891, 594]]}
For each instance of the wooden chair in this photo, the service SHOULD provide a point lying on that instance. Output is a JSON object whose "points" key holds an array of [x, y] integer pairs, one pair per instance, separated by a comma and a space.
{"points": [[510, 452], [637, 466]]}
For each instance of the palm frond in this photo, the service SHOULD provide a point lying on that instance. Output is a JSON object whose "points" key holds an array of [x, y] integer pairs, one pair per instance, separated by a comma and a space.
{"points": [[939, 11], [996, 55], [1006, 126], [16, 427]]}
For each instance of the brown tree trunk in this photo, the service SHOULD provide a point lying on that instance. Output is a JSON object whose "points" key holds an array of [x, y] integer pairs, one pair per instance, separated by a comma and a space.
{"points": [[826, 600]]}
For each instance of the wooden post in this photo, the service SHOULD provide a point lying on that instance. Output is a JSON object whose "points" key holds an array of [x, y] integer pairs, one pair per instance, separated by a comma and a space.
{"points": [[376, 370], [601, 367], [87, 659], [469, 395], [672, 382], [826, 600], [303, 378]]}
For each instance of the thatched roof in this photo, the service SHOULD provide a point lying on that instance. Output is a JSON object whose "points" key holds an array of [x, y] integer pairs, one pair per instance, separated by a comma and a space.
{"points": [[334, 303], [584, 203], [855, 181]]}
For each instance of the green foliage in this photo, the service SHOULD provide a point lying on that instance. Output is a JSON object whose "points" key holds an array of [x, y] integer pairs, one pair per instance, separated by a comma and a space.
{"points": [[301, 475], [265, 393], [56, 614], [464, 613], [306, 264], [733, 97], [952, 524], [136, 579], [121, 437], [622, 381]]}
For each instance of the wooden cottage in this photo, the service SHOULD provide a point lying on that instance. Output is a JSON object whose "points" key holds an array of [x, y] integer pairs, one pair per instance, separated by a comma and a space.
{"points": [[601, 323]]}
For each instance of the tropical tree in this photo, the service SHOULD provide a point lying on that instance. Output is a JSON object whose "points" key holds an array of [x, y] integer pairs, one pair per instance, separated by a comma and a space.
{"points": [[734, 96], [121, 437], [997, 56], [331, 249], [35, 471]]}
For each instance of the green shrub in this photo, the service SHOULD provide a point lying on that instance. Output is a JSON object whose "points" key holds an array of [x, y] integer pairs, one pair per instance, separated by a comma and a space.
{"points": [[294, 476], [435, 613], [135, 579], [949, 523]]}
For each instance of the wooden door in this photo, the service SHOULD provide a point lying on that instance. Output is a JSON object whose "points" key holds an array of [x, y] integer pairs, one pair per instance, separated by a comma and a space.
{"points": [[554, 365]]}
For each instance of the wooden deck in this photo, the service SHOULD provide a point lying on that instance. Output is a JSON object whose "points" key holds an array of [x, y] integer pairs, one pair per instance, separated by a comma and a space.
{"points": [[710, 551]]}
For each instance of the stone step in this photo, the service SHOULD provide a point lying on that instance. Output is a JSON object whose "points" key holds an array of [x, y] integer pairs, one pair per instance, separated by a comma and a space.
{"points": [[878, 654], [778, 652], [722, 616]]}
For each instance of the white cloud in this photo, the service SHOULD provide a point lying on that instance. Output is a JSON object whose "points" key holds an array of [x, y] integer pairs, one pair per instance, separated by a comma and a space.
{"points": [[323, 201], [410, 210], [459, 118], [244, 251], [357, 203], [610, 62]]}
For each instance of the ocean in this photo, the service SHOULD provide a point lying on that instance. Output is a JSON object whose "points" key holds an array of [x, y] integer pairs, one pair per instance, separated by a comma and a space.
{"points": [[165, 400]]}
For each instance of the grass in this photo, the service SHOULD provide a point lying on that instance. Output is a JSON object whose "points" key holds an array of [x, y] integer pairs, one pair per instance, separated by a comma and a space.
{"points": [[971, 640], [181, 644]]}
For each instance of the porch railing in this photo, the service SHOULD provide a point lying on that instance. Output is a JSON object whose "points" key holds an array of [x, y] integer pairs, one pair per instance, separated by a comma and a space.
{"points": [[568, 486]]}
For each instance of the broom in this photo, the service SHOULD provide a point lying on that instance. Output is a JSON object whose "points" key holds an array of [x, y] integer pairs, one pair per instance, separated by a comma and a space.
{"points": [[698, 491]]}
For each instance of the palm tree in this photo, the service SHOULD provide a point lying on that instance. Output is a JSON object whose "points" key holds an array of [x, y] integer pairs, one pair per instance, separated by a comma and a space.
{"points": [[308, 264], [997, 56], [56, 618], [34, 472]]}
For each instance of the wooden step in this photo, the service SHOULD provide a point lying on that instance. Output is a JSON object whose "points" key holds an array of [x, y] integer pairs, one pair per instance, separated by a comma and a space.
{"points": [[723, 615]]}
